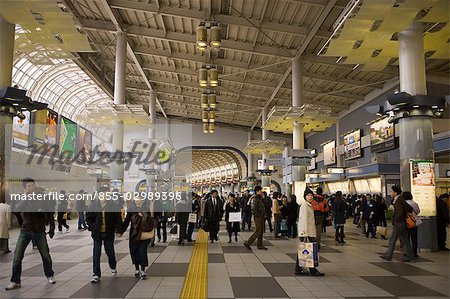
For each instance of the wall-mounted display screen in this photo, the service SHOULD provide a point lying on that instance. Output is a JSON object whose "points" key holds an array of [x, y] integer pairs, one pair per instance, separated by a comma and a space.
{"points": [[423, 186], [382, 136], [84, 145], [21, 130], [352, 145], [329, 153], [45, 125], [67, 137]]}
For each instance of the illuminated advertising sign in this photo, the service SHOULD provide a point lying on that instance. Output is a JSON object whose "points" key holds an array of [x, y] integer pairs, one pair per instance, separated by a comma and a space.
{"points": [[67, 137], [382, 136], [329, 153], [352, 145], [21, 130], [423, 186]]}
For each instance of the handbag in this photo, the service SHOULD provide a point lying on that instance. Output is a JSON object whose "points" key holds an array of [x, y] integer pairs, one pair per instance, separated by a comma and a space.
{"points": [[410, 220], [174, 230], [308, 254], [147, 235], [192, 218], [328, 222], [382, 230]]}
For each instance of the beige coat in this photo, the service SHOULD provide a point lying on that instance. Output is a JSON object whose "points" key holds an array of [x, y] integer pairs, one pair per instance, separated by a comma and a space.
{"points": [[5, 220], [306, 224]]}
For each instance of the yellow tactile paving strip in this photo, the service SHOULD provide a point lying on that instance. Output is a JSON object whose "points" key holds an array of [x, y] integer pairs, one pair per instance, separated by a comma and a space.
{"points": [[196, 281]]}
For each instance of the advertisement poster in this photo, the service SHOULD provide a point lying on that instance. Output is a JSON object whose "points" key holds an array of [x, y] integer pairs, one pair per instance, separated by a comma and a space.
{"points": [[352, 145], [67, 137], [423, 186], [382, 135], [84, 145], [21, 130], [329, 153], [312, 164]]}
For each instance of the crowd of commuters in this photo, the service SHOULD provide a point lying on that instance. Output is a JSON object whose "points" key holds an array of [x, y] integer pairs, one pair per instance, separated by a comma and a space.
{"points": [[148, 222]]}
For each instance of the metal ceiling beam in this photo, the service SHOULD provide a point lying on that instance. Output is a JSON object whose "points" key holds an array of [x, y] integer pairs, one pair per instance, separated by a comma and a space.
{"points": [[325, 12], [115, 19], [199, 15], [186, 38]]}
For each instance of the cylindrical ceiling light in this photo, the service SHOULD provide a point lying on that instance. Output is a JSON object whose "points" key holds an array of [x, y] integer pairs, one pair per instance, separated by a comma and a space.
{"points": [[203, 77], [212, 100], [212, 127], [204, 100], [205, 128], [215, 36], [213, 75], [202, 37], [205, 116], [212, 116]]}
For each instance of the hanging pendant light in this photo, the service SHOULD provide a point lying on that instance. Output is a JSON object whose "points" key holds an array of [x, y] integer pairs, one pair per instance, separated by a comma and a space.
{"points": [[202, 36], [213, 75], [205, 128], [212, 100], [212, 116], [204, 100], [212, 127], [215, 36], [203, 77], [205, 116]]}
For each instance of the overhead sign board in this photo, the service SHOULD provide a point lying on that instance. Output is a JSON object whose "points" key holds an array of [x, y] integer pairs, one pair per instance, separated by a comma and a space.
{"points": [[273, 162], [335, 170]]}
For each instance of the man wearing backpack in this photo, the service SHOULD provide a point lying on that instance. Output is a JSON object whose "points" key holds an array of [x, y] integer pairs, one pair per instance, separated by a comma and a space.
{"points": [[400, 229]]}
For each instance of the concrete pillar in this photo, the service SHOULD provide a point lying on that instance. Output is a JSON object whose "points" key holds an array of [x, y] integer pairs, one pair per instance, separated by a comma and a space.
{"points": [[250, 166], [265, 179], [415, 133], [119, 99], [298, 136], [339, 158], [151, 177], [7, 33]]}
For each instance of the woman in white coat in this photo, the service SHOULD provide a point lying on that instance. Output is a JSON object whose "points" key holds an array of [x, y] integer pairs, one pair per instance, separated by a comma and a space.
{"points": [[307, 230], [5, 225]]}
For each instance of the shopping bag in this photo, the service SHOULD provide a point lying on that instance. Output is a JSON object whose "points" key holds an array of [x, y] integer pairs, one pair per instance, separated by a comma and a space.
{"points": [[284, 226], [382, 230], [308, 255], [192, 218], [234, 217]]}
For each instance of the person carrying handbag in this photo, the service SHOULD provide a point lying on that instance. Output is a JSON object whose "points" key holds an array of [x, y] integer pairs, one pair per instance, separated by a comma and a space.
{"points": [[412, 232], [141, 232]]}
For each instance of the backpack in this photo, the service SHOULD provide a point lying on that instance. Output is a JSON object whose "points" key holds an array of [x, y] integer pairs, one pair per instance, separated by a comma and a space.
{"points": [[147, 223]]}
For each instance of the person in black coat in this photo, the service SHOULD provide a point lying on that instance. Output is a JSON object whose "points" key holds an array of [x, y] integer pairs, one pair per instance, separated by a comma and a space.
{"points": [[182, 217], [213, 215], [232, 206], [138, 248], [195, 210], [292, 216], [370, 214], [246, 210], [339, 209], [103, 221], [442, 220], [268, 206], [381, 213]]}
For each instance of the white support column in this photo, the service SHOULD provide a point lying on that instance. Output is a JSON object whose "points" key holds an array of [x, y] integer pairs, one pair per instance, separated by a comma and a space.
{"points": [[151, 177], [339, 158], [298, 136], [250, 167], [265, 179], [117, 170], [7, 34], [416, 133]]}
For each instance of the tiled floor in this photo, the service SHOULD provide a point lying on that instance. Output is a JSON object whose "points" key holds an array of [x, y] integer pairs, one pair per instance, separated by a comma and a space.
{"points": [[352, 271]]}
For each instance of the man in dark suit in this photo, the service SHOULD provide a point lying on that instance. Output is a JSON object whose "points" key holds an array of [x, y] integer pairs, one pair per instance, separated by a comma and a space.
{"points": [[259, 211], [213, 214], [399, 230]]}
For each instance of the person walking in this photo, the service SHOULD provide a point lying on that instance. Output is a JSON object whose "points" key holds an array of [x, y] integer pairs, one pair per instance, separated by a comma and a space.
{"points": [[259, 212], [320, 208], [213, 215], [307, 230], [81, 209], [246, 210], [5, 226], [371, 216], [292, 217], [62, 213], [412, 232], [232, 206], [268, 206], [160, 215], [381, 213], [141, 231], [104, 221], [363, 215], [442, 220], [33, 228], [182, 217], [400, 230], [196, 211], [276, 215], [339, 213]]}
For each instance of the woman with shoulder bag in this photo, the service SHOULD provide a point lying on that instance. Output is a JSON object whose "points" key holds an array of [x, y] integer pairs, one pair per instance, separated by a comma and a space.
{"points": [[412, 232], [141, 233]]}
